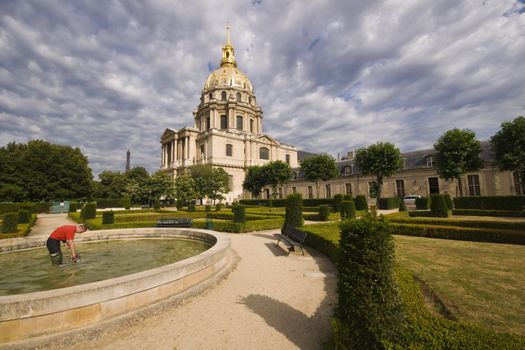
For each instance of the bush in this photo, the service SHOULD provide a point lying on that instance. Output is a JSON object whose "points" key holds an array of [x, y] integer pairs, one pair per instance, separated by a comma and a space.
{"points": [[402, 206], [338, 198], [248, 226], [315, 202], [496, 213], [516, 225], [104, 203], [369, 310], [191, 207], [156, 205], [448, 201], [389, 203], [293, 216], [269, 203], [490, 202], [89, 211], [108, 218], [361, 203], [438, 206], [126, 203], [347, 210], [348, 197], [324, 212], [24, 216], [423, 203], [239, 214], [207, 208], [73, 206], [218, 207], [10, 223]]}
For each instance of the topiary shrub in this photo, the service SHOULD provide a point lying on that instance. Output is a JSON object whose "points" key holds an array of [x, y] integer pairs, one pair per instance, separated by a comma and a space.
{"points": [[179, 204], [369, 311], [338, 198], [448, 201], [438, 206], [402, 206], [348, 197], [207, 208], [156, 205], [270, 203], [108, 218], [388, 203], [10, 223], [347, 210], [239, 214], [218, 207], [24, 216], [191, 207], [73, 206], [293, 216], [89, 211], [423, 203], [361, 203], [126, 203], [324, 212]]}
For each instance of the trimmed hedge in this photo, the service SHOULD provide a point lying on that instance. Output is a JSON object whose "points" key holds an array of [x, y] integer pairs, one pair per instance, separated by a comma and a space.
{"points": [[73, 207], [104, 203], [108, 218], [24, 216], [282, 202], [248, 226], [438, 206], [490, 202], [389, 203], [459, 233], [361, 203], [347, 210], [423, 214], [338, 199], [207, 208], [423, 203], [89, 211], [496, 213], [402, 206], [36, 207], [239, 214], [10, 223], [502, 225], [218, 207], [191, 208], [324, 212], [156, 205], [293, 216]]}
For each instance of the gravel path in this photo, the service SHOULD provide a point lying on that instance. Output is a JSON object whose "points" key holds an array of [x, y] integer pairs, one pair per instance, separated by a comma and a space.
{"points": [[46, 223]]}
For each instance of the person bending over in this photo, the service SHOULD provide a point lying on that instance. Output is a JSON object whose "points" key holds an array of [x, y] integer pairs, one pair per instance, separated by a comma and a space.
{"points": [[64, 234]]}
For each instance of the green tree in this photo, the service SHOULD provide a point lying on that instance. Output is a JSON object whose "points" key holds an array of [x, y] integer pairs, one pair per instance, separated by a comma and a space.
{"points": [[321, 167], [112, 184], [202, 175], [184, 188], [457, 151], [219, 184], [161, 185], [276, 173], [138, 183], [381, 160], [254, 180], [508, 146]]}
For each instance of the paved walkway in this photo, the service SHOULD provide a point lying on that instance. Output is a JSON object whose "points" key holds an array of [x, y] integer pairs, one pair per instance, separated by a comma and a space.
{"points": [[46, 223]]}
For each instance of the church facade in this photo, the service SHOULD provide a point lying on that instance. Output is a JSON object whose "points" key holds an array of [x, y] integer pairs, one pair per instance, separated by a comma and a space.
{"points": [[227, 131]]}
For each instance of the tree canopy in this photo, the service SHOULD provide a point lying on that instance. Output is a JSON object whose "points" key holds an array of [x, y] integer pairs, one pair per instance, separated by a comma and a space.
{"points": [[508, 146], [40, 170], [457, 152], [321, 167], [274, 174], [209, 182], [254, 180], [381, 160]]}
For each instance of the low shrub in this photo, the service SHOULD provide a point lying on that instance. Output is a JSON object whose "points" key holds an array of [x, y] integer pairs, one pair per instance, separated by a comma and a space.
{"points": [[207, 208], [448, 201], [324, 212], [348, 197], [89, 211], [423, 214], [490, 224], [389, 203], [179, 205], [239, 214], [218, 207], [423, 203], [248, 226], [314, 202], [495, 213], [361, 203], [24, 216], [73, 206], [108, 218], [438, 206], [191, 207], [294, 212], [10, 223], [324, 238], [490, 202], [8, 207], [347, 210], [402, 206], [104, 203], [338, 198], [311, 209], [126, 203], [156, 204]]}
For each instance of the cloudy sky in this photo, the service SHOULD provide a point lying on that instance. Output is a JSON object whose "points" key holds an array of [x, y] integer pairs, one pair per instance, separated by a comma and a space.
{"points": [[331, 76]]}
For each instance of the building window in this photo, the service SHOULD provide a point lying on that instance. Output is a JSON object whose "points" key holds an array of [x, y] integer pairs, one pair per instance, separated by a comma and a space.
{"points": [[223, 95], [251, 125], [294, 190], [239, 122], [202, 151], [400, 188], [207, 123], [230, 182], [430, 161], [238, 95], [229, 150], [348, 189], [264, 153], [224, 122], [294, 175], [310, 192], [404, 163], [372, 189], [433, 185], [473, 185], [287, 159], [347, 170], [249, 99], [210, 96], [280, 193], [328, 191], [518, 184]]}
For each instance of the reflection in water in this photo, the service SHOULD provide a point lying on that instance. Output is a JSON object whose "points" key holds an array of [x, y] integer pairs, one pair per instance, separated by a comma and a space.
{"points": [[31, 270]]}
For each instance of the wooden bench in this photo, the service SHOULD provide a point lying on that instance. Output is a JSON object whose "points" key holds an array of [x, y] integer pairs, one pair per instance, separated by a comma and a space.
{"points": [[292, 237], [175, 222]]}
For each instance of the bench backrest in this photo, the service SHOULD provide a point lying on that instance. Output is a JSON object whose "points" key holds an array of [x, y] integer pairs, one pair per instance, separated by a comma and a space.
{"points": [[295, 234]]}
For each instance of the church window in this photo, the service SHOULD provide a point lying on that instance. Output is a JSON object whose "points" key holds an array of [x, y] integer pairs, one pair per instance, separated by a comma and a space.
{"points": [[251, 125], [210, 96], [224, 122], [202, 151], [264, 153], [287, 159], [239, 122], [229, 150], [238, 97], [223, 95], [207, 123]]}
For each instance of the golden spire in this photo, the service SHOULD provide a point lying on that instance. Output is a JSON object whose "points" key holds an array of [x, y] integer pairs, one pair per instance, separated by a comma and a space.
{"points": [[228, 57]]}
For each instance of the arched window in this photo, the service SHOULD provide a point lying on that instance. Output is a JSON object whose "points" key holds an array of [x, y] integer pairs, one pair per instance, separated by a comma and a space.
{"points": [[223, 95], [264, 153], [238, 95], [239, 122]]}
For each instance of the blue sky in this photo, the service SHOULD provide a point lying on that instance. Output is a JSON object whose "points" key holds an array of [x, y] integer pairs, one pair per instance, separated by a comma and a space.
{"points": [[331, 76]]}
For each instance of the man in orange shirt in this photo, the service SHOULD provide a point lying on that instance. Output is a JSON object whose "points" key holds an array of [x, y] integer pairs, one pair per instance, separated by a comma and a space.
{"points": [[64, 234]]}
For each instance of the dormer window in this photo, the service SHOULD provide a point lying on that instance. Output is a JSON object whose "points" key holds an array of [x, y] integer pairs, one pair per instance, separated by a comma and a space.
{"points": [[294, 175], [347, 171], [430, 161]]}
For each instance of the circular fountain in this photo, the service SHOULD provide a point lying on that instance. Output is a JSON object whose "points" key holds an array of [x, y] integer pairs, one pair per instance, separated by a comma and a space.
{"points": [[28, 315]]}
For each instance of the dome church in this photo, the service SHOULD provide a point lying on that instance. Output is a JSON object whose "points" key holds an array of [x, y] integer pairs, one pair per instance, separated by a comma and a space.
{"points": [[227, 131]]}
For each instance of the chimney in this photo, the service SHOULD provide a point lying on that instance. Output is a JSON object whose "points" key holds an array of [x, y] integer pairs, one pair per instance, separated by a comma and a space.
{"points": [[350, 155]]}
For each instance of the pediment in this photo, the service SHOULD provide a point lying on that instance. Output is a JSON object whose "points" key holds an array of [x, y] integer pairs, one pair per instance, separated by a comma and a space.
{"points": [[267, 139], [167, 133]]}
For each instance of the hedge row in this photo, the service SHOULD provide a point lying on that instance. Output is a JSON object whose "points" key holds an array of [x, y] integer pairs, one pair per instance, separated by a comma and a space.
{"points": [[248, 226], [389, 203], [490, 202], [496, 213], [282, 202], [36, 207], [113, 203], [502, 225], [316, 217], [459, 233]]}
